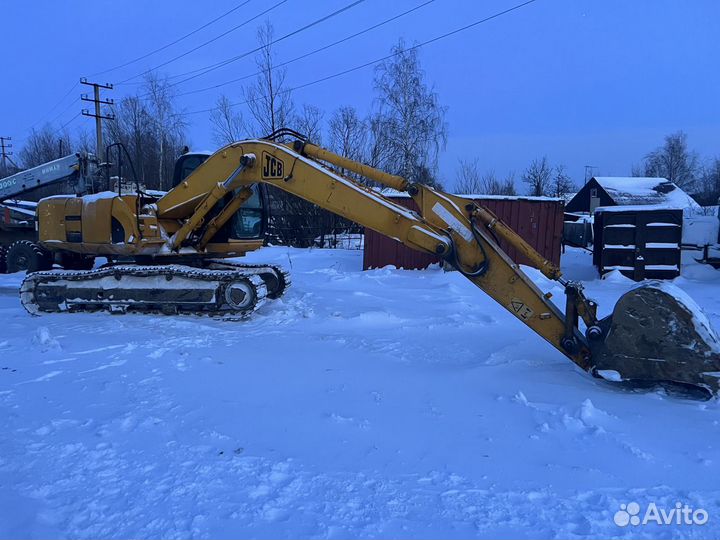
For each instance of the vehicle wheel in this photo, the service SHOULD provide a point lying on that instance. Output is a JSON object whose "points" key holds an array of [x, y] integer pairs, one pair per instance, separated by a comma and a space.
{"points": [[24, 255], [76, 261], [3, 261]]}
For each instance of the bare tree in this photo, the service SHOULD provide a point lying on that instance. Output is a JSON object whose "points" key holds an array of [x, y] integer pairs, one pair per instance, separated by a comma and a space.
{"points": [[152, 131], [268, 98], [168, 125], [492, 185], [637, 170], [132, 126], [348, 136], [507, 186], [309, 123], [537, 177], [469, 180], [293, 221], [44, 145], [84, 141], [410, 116], [347, 133], [709, 188], [378, 151], [227, 124], [467, 176], [674, 161], [562, 184]]}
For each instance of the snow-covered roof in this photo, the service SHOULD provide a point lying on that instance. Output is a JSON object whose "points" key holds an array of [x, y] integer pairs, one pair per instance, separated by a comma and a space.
{"points": [[635, 207], [630, 190], [507, 197]]}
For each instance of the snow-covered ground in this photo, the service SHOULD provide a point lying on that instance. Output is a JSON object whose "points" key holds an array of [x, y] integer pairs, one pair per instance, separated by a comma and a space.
{"points": [[385, 403]]}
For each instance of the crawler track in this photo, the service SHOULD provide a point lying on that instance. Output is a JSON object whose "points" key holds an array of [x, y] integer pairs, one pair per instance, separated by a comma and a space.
{"points": [[221, 289]]}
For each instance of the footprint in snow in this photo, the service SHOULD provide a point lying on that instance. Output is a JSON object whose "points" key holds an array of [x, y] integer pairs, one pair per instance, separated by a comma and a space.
{"points": [[44, 340]]}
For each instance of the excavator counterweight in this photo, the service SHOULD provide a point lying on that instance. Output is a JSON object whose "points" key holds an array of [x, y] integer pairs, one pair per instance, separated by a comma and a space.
{"points": [[168, 258]]}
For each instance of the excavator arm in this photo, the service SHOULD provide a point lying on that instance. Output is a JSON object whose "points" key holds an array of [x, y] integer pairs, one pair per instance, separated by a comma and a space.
{"points": [[448, 226]]}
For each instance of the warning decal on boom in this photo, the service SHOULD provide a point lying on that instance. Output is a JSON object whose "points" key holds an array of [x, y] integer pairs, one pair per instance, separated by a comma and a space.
{"points": [[521, 310]]}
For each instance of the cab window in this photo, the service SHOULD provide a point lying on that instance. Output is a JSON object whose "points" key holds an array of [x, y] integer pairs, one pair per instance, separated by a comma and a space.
{"points": [[189, 164], [186, 165], [248, 221]]}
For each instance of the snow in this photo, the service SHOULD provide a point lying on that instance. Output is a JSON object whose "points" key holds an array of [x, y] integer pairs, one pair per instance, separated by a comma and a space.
{"points": [[341, 241], [386, 403], [618, 267], [700, 230], [392, 193], [102, 195], [700, 320], [641, 191], [630, 184], [636, 207], [395, 194], [15, 203], [481, 196]]}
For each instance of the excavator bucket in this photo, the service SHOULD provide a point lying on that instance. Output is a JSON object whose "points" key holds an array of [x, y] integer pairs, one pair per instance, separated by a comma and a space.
{"points": [[658, 335]]}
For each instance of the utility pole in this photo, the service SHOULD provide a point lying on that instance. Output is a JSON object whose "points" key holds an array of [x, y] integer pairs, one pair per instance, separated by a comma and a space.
{"points": [[99, 117], [4, 145]]}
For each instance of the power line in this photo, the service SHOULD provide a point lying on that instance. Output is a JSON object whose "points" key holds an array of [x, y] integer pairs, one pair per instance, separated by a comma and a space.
{"points": [[178, 40], [62, 127], [330, 45], [246, 22], [378, 60], [52, 109], [66, 109], [213, 67]]}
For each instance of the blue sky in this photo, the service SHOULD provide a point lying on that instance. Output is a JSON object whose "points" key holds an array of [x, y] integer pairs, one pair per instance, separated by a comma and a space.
{"points": [[583, 82]]}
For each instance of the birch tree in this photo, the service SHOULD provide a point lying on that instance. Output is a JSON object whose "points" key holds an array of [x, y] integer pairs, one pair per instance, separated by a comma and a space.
{"points": [[268, 98], [410, 116]]}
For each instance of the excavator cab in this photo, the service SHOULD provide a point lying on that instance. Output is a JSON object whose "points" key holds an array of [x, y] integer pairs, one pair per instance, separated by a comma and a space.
{"points": [[186, 164], [250, 221]]}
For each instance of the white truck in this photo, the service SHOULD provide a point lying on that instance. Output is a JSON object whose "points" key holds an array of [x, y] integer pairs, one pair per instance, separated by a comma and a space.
{"points": [[19, 249]]}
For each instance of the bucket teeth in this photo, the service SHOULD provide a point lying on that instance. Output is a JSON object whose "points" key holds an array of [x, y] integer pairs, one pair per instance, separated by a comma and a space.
{"points": [[657, 334]]}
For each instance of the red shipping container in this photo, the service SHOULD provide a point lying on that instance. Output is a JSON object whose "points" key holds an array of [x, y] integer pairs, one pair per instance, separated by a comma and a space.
{"points": [[538, 220]]}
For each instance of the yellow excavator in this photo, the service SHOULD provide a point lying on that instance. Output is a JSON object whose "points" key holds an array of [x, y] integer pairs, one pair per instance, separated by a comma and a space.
{"points": [[168, 255]]}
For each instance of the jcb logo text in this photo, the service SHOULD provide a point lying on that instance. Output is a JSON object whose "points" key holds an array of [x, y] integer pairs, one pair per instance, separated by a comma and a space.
{"points": [[272, 167]]}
